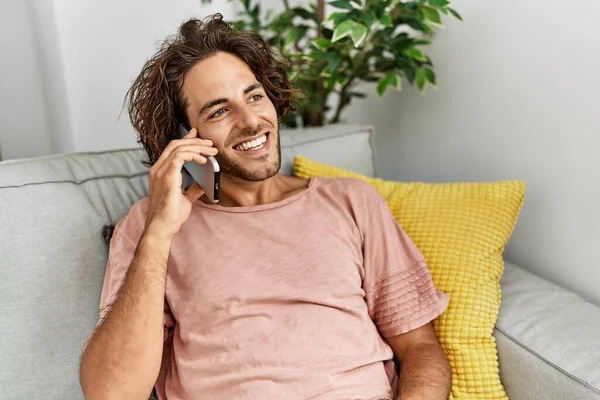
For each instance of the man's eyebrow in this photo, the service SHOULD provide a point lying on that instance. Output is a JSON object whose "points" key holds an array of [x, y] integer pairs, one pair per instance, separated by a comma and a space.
{"points": [[210, 104], [252, 87]]}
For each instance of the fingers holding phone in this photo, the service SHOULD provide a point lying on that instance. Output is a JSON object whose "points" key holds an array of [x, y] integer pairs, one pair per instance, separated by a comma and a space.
{"points": [[169, 206], [206, 175]]}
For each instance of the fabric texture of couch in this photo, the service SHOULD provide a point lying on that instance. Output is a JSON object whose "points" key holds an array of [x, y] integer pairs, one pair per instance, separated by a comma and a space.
{"points": [[53, 256]]}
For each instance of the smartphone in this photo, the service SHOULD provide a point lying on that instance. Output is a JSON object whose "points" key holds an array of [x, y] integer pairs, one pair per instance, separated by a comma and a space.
{"points": [[206, 175]]}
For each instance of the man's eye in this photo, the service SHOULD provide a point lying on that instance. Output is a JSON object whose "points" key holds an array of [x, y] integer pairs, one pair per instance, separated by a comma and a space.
{"points": [[218, 113], [256, 97]]}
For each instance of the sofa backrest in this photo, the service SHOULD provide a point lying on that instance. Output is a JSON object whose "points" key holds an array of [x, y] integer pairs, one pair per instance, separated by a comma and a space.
{"points": [[53, 255]]}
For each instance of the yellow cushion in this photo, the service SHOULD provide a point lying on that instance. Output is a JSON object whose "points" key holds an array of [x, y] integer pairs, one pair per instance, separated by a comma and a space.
{"points": [[461, 229]]}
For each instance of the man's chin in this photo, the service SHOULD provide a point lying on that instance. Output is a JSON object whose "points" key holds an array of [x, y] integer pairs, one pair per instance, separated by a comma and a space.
{"points": [[249, 167], [259, 173]]}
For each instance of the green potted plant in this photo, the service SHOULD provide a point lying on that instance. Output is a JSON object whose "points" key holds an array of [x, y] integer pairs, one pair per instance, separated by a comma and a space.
{"points": [[361, 41]]}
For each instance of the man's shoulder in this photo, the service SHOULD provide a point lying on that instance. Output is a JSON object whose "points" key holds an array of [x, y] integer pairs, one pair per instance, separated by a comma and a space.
{"points": [[353, 190], [131, 226], [356, 196], [137, 211], [346, 186]]}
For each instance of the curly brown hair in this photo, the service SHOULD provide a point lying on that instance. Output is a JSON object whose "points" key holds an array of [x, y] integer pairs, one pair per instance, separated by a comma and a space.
{"points": [[155, 101]]}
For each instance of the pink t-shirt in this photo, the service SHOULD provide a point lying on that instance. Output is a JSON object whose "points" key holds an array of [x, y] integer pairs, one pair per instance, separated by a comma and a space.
{"points": [[288, 300]]}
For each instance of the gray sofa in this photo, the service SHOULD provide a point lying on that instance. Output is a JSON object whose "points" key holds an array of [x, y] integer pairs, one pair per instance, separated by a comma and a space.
{"points": [[52, 260]]}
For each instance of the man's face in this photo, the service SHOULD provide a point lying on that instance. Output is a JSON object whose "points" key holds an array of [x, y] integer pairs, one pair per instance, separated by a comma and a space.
{"points": [[229, 106]]}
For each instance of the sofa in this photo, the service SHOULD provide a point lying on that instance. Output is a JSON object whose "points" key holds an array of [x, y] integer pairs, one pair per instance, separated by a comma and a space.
{"points": [[53, 256]]}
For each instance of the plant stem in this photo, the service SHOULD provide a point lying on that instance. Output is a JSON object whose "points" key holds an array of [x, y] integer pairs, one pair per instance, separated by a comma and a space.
{"points": [[320, 10], [318, 118], [342, 103], [286, 4], [340, 106]]}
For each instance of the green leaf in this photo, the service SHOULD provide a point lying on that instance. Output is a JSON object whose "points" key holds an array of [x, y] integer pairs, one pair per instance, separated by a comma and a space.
{"points": [[394, 80], [339, 17], [255, 12], [369, 19], [439, 3], [304, 13], [421, 42], [329, 82], [326, 33], [399, 42], [416, 54], [381, 86], [430, 75], [322, 44], [313, 55], [358, 2], [343, 4], [421, 78], [342, 80], [386, 20], [239, 25], [342, 30], [359, 33], [432, 15], [291, 35], [334, 60], [418, 25], [409, 72], [455, 13], [379, 8]]}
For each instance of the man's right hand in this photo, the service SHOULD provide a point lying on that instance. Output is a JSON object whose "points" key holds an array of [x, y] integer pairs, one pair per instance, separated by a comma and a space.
{"points": [[168, 205]]}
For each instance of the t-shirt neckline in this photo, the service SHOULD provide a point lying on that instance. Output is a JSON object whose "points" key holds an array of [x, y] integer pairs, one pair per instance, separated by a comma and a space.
{"points": [[260, 207]]}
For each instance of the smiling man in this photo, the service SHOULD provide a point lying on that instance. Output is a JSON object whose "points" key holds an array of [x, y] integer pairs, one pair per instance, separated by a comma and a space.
{"points": [[287, 289]]}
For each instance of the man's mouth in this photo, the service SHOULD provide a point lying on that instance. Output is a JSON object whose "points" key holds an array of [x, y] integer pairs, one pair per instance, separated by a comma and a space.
{"points": [[253, 144]]}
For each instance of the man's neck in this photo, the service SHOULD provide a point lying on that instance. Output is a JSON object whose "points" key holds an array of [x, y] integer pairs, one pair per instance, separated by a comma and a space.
{"points": [[240, 193]]}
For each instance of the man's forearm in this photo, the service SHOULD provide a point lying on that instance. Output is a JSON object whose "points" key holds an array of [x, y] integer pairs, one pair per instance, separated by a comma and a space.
{"points": [[122, 360], [425, 373]]}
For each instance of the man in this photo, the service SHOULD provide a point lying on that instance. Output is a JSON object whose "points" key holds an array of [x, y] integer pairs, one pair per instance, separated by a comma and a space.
{"points": [[288, 289]]}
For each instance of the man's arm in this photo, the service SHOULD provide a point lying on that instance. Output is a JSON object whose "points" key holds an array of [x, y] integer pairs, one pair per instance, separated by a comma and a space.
{"points": [[424, 370], [122, 359]]}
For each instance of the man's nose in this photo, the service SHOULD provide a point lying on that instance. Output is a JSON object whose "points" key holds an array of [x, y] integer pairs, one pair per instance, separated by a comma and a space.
{"points": [[247, 118]]}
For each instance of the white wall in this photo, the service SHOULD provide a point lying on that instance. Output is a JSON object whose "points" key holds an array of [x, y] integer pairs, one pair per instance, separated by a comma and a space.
{"points": [[67, 65], [518, 98], [50, 56], [104, 44], [24, 123]]}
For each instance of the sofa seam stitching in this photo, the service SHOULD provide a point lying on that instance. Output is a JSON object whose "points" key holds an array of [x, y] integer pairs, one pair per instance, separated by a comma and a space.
{"points": [[51, 157], [547, 361], [76, 182]]}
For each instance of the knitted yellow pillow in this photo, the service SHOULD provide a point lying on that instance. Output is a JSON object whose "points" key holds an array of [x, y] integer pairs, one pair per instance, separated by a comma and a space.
{"points": [[461, 229]]}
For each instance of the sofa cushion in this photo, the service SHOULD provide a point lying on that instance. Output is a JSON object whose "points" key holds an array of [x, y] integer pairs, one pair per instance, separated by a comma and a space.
{"points": [[53, 254], [548, 340]]}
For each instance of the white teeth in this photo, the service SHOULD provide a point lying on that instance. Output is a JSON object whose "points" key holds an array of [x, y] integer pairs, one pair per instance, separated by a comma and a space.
{"points": [[251, 144]]}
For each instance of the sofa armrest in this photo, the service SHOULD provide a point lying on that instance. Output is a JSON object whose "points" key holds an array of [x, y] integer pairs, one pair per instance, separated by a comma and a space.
{"points": [[548, 340]]}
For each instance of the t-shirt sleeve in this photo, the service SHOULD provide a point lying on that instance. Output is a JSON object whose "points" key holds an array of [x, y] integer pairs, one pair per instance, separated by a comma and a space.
{"points": [[400, 294], [123, 244]]}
